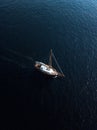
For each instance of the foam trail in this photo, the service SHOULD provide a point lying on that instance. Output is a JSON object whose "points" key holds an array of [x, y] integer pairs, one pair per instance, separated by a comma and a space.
{"points": [[19, 54], [12, 61]]}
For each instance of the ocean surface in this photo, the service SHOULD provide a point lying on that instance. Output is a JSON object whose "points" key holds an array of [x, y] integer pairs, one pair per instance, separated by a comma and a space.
{"points": [[28, 30]]}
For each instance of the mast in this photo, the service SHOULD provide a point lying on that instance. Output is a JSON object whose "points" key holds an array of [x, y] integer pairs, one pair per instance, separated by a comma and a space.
{"points": [[50, 63], [50, 58]]}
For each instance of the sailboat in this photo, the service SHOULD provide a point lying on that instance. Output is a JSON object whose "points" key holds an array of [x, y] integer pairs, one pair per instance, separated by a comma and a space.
{"points": [[48, 69]]}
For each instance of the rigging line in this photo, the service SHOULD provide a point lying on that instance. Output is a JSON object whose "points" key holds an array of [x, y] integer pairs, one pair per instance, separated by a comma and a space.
{"points": [[57, 63]]}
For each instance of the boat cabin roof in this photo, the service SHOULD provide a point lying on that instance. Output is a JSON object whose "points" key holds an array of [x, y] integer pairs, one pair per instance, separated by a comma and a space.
{"points": [[46, 69]]}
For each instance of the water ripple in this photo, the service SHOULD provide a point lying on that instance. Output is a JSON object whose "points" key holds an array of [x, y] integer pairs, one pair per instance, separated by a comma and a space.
{"points": [[6, 3]]}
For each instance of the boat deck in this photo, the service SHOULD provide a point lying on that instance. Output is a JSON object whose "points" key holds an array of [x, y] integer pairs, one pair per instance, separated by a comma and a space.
{"points": [[47, 69]]}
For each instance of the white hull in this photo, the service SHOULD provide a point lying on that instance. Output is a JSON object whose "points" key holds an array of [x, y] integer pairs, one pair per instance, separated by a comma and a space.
{"points": [[46, 69]]}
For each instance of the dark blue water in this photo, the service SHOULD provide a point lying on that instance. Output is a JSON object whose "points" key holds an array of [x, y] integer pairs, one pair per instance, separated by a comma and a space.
{"points": [[28, 30]]}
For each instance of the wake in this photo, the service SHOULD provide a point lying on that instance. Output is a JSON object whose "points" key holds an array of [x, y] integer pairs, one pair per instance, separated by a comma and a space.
{"points": [[16, 58], [19, 54], [12, 61]]}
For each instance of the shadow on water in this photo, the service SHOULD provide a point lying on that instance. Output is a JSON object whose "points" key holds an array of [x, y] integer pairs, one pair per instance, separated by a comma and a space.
{"points": [[26, 94], [21, 92], [29, 100]]}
